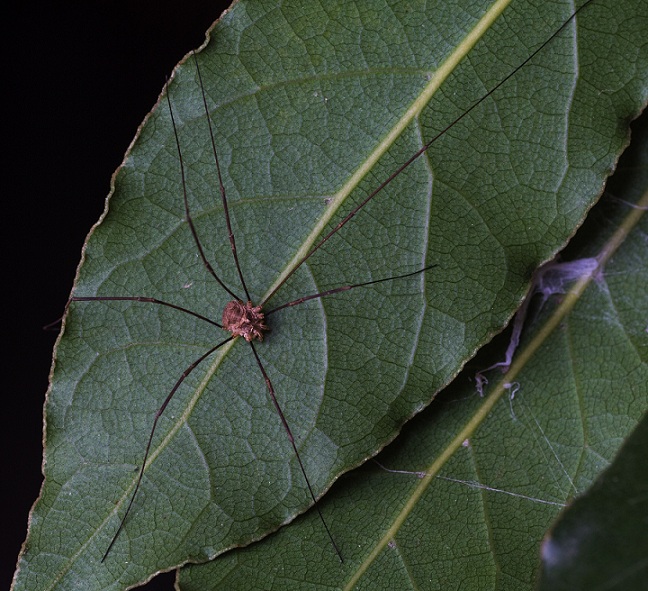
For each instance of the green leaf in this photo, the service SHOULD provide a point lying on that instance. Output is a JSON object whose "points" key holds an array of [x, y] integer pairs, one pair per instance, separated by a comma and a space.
{"points": [[601, 541], [313, 107], [477, 519]]}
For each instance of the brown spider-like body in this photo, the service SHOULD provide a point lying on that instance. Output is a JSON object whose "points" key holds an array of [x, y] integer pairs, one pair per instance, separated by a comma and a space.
{"points": [[244, 320]]}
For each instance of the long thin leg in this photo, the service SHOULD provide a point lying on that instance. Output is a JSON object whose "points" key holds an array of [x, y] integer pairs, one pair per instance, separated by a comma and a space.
{"points": [[420, 152], [142, 299], [203, 256], [291, 438], [220, 184], [335, 290], [158, 414]]}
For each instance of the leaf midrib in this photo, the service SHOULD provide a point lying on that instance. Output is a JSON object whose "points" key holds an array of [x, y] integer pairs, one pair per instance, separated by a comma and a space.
{"points": [[415, 108]]}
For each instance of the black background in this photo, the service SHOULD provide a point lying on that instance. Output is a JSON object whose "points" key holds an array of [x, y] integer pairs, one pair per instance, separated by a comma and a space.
{"points": [[77, 79]]}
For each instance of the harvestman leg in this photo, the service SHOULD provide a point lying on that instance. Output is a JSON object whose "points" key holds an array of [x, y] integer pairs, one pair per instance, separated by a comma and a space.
{"points": [[298, 301]]}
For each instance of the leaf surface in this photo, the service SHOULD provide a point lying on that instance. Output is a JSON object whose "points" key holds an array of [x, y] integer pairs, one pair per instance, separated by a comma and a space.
{"points": [[313, 107], [601, 539]]}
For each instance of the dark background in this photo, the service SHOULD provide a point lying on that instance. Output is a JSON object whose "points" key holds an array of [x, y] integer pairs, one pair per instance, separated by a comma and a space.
{"points": [[77, 79]]}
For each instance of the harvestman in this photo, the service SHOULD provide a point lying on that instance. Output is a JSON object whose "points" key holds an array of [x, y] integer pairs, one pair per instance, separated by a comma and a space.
{"points": [[241, 317]]}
